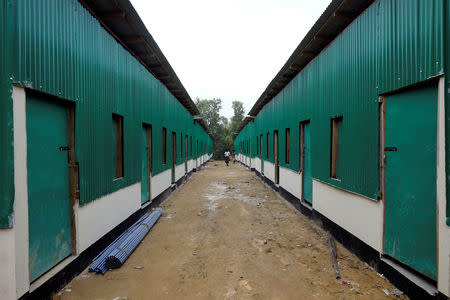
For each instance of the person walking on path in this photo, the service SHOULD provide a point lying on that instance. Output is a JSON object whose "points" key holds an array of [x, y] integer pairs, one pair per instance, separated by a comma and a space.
{"points": [[233, 155], [227, 157]]}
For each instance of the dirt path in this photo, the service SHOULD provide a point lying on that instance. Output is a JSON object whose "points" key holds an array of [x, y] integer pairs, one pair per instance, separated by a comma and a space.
{"points": [[225, 235]]}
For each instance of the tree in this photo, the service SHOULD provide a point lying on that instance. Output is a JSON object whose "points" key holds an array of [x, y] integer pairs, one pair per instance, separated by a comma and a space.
{"points": [[238, 117], [217, 124], [236, 120], [222, 131], [209, 110]]}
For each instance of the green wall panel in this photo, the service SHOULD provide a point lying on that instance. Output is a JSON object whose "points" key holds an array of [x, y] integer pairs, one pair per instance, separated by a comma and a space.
{"points": [[6, 117], [446, 33], [60, 49], [393, 44]]}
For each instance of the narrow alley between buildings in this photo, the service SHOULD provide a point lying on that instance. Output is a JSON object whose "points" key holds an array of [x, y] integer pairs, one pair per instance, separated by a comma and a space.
{"points": [[226, 235]]}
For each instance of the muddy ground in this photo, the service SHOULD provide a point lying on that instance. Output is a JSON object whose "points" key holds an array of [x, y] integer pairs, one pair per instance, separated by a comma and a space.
{"points": [[226, 235]]}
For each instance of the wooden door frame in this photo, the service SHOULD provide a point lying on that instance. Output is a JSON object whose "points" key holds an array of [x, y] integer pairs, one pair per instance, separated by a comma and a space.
{"points": [[382, 154], [250, 153], [301, 137], [74, 173], [73, 166], [148, 136], [382, 162], [174, 155], [276, 156], [301, 130], [261, 153], [186, 140]]}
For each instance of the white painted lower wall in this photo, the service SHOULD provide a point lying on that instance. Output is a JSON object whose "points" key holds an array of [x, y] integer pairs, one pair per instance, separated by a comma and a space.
{"points": [[98, 217], [444, 258], [161, 182], [7, 263], [22, 278], [180, 171], [443, 230], [291, 181], [269, 170], [92, 221], [191, 165], [257, 164], [246, 160], [364, 217], [360, 216]]}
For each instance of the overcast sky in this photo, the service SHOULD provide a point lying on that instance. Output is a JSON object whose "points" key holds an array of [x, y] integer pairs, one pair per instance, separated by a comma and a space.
{"points": [[228, 49]]}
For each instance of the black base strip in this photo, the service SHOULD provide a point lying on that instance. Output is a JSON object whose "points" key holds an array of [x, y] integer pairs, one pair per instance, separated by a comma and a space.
{"points": [[82, 261], [355, 245]]}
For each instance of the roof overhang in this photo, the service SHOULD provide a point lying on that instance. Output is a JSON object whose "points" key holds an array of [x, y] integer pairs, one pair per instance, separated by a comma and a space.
{"points": [[244, 123], [338, 15], [122, 21]]}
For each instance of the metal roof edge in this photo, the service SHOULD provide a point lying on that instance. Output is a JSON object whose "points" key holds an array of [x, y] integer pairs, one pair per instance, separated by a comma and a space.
{"points": [[244, 123], [111, 12], [346, 11]]}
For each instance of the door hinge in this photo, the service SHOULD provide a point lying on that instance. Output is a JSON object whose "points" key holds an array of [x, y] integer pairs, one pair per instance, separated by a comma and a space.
{"points": [[393, 149], [380, 195]]}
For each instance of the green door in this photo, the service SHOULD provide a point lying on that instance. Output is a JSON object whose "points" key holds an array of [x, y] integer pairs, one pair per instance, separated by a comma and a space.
{"points": [[410, 178], [146, 163], [186, 154], [275, 157], [174, 154], [49, 210], [261, 153], [307, 175]]}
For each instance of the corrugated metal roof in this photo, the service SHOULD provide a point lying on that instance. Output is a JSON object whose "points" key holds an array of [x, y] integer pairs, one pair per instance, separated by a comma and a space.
{"points": [[122, 21], [338, 15], [243, 124]]}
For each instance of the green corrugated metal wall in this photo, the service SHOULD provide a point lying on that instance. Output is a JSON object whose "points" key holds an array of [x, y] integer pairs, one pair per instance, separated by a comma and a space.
{"points": [[446, 34], [6, 119], [391, 45], [62, 50]]}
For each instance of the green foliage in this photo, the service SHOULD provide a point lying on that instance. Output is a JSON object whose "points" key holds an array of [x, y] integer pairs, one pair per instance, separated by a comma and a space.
{"points": [[238, 117], [222, 130]]}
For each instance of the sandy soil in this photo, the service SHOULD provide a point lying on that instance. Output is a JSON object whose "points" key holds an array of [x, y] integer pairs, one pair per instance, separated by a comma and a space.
{"points": [[225, 235]]}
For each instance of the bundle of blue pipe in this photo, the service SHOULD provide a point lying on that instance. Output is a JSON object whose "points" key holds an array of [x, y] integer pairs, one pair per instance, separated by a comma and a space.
{"points": [[117, 252]]}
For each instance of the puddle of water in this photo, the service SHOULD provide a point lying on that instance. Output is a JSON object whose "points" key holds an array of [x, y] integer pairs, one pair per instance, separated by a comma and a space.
{"points": [[215, 191], [246, 199]]}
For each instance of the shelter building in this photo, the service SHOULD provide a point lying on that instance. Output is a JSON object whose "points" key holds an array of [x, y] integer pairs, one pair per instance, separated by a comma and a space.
{"points": [[94, 126], [355, 129]]}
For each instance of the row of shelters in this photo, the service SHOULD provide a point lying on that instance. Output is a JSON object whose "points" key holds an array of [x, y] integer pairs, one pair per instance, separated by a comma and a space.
{"points": [[355, 130], [94, 125]]}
